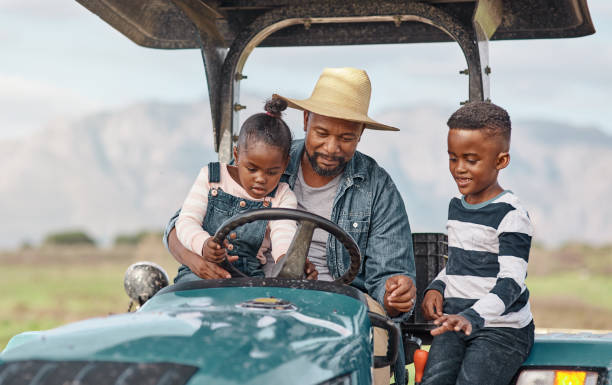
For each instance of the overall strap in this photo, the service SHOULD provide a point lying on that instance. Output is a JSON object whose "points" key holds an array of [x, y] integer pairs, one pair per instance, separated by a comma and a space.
{"points": [[214, 172]]}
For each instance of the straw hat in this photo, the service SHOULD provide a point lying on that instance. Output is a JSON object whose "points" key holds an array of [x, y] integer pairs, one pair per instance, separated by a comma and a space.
{"points": [[342, 93]]}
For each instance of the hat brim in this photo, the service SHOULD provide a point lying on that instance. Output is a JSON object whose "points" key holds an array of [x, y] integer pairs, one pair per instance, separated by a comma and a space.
{"points": [[335, 111]]}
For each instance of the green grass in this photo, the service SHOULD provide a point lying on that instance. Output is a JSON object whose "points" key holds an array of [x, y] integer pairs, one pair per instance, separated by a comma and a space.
{"points": [[76, 288], [42, 297], [575, 286]]}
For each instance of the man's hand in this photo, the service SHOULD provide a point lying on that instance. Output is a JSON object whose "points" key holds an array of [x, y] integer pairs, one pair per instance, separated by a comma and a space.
{"points": [[210, 270], [452, 322], [432, 304], [310, 271], [198, 265], [400, 295]]}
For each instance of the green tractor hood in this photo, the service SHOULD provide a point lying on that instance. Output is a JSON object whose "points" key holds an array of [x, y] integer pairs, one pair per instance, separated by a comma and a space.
{"points": [[247, 335]]}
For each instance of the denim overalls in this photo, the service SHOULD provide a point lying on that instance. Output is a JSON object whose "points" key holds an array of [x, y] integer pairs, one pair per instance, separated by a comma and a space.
{"points": [[245, 240]]}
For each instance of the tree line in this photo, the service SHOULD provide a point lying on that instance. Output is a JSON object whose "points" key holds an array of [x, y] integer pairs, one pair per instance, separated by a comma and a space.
{"points": [[81, 237]]}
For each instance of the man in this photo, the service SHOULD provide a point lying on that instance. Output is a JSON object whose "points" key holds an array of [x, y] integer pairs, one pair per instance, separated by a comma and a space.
{"points": [[330, 178]]}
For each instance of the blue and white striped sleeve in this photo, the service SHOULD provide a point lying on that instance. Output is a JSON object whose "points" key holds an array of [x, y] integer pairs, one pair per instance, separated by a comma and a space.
{"points": [[514, 233], [439, 283]]}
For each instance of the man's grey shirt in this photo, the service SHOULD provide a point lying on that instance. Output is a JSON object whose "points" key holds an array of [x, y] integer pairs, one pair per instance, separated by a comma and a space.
{"points": [[317, 200]]}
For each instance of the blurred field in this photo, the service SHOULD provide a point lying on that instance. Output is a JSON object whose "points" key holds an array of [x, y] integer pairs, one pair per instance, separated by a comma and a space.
{"points": [[41, 288], [570, 287]]}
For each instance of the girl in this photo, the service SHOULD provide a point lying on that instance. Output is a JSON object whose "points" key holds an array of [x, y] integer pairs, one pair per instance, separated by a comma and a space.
{"points": [[222, 191]]}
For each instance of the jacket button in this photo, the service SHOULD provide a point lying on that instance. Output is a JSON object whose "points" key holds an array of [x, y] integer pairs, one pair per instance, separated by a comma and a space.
{"points": [[355, 224], [213, 192], [242, 203], [230, 247], [233, 235]]}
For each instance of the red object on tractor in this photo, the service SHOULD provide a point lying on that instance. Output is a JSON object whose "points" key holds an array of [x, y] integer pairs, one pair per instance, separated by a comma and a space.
{"points": [[420, 359]]}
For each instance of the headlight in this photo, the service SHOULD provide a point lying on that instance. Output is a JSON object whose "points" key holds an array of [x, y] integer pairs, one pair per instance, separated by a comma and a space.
{"points": [[342, 380], [557, 377]]}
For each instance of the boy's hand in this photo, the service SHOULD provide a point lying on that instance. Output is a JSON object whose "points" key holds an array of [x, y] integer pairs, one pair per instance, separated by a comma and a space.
{"points": [[452, 323], [399, 295], [432, 304], [213, 252]]}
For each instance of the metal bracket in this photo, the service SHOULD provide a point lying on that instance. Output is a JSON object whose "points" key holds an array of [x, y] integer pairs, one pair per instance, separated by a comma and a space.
{"points": [[307, 24]]}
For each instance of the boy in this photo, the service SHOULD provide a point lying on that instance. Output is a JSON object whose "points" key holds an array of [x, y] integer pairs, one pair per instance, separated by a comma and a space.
{"points": [[479, 301]]}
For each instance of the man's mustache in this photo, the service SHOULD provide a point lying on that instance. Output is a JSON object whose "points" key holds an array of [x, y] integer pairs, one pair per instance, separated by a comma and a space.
{"points": [[339, 159]]}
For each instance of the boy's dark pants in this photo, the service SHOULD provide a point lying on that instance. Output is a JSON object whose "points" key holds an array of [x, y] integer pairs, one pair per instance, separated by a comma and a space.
{"points": [[486, 357]]}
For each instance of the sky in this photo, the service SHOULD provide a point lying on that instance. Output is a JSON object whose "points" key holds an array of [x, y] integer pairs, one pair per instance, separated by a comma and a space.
{"points": [[59, 61]]}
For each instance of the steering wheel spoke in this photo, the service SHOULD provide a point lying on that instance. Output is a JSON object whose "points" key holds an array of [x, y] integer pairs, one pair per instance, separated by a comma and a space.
{"points": [[295, 259]]}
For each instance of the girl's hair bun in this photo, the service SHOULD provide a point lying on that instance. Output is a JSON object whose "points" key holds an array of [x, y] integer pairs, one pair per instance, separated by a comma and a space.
{"points": [[275, 107], [267, 127]]}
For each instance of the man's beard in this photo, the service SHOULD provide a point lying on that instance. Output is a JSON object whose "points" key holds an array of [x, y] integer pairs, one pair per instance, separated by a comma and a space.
{"points": [[326, 171]]}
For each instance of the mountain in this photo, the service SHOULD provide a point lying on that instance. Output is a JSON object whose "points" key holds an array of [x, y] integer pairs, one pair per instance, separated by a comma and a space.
{"points": [[122, 171], [108, 173]]}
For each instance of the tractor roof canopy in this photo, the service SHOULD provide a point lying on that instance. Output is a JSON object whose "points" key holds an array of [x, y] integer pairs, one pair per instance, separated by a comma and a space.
{"points": [[169, 24]]}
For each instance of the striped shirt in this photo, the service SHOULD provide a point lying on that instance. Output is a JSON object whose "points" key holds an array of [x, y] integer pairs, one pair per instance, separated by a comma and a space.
{"points": [[189, 224], [488, 251]]}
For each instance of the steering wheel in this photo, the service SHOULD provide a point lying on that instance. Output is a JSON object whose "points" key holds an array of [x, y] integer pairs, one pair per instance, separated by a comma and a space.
{"points": [[295, 259]]}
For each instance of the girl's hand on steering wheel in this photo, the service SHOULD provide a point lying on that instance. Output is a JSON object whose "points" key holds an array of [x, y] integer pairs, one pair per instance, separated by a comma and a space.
{"points": [[213, 252]]}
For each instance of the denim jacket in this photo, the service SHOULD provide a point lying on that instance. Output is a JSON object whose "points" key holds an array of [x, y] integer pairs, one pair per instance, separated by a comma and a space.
{"points": [[369, 207]]}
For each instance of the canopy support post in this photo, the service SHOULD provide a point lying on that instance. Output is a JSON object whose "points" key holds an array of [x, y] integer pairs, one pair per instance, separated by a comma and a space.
{"points": [[487, 17]]}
